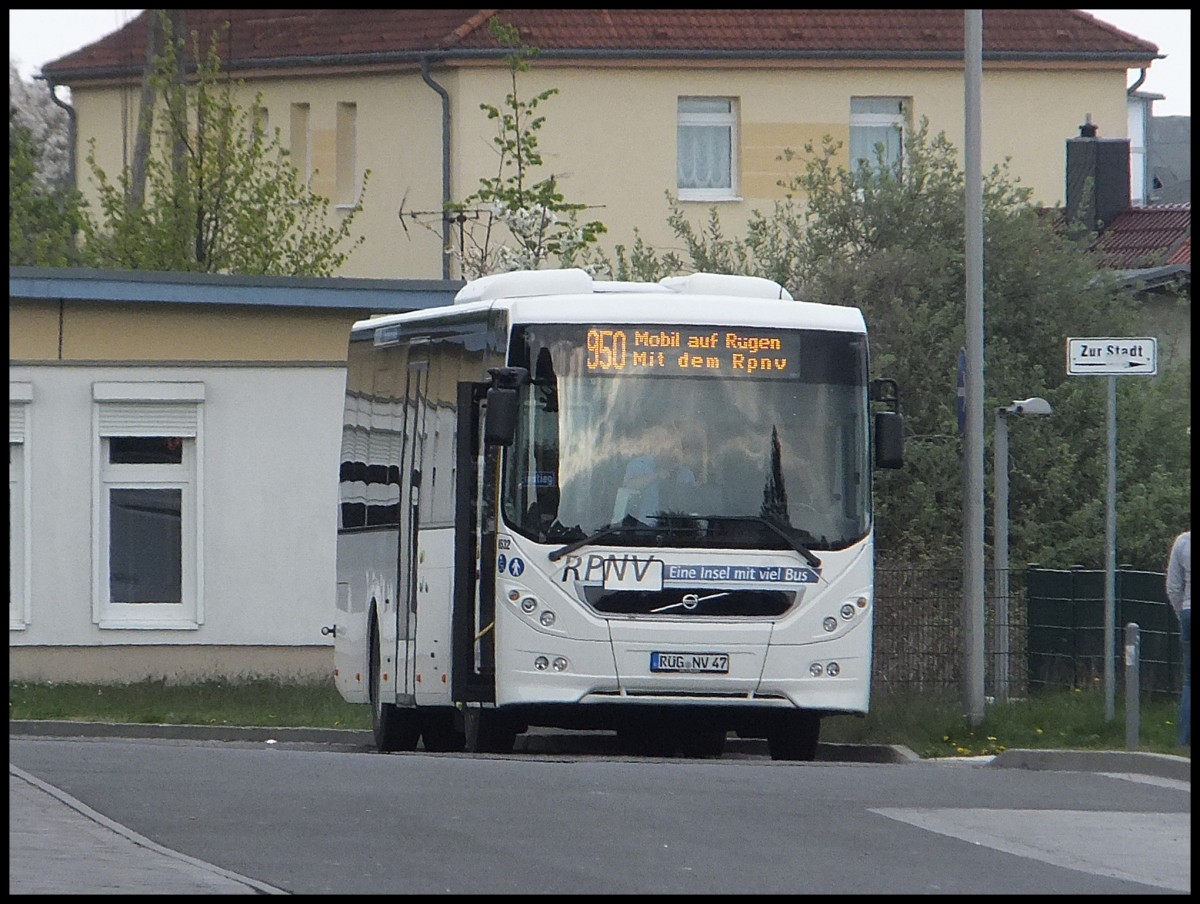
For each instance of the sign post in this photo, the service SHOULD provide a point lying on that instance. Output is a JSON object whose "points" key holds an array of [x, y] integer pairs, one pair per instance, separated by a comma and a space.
{"points": [[1111, 357]]}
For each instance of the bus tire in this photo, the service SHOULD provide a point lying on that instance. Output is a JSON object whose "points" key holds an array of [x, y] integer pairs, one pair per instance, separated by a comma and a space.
{"points": [[394, 727], [488, 731], [794, 737], [438, 732]]}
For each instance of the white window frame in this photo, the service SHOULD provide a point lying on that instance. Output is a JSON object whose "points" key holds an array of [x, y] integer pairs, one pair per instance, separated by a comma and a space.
{"points": [[20, 509], [897, 120], [139, 409], [727, 121]]}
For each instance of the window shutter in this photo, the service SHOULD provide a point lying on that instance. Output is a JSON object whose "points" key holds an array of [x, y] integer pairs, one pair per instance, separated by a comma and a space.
{"points": [[148, 409], [16, 422], [148, 418], [19, 397]]}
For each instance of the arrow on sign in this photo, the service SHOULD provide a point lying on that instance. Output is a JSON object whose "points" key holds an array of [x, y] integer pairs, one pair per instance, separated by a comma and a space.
{"points": [[1105, 364]]}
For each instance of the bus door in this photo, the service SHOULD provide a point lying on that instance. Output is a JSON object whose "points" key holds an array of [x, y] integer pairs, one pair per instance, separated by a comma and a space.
{"points": [[415, 409], [473, 617]]}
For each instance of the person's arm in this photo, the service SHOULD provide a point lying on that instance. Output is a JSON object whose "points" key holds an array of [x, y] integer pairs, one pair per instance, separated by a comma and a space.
{"points": [[1175, 575]]}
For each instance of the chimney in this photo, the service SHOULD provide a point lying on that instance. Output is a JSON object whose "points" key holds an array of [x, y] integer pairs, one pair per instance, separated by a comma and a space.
{"points": [[1097, 177]]}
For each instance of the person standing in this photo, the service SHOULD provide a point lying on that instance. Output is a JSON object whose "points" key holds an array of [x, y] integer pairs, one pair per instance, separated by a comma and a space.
{"points": [[1179, 592]]}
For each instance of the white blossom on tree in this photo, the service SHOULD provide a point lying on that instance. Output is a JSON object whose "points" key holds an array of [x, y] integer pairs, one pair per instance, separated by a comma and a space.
{"points": [[30, 106]]}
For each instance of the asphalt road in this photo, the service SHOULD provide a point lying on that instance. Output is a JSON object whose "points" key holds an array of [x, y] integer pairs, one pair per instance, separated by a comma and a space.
{"points": [[323, 816]]}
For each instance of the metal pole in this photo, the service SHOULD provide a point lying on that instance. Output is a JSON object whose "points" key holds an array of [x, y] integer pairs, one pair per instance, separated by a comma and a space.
{"points": [[1110, 559], [973, 511], [1000, 558], [1132, 686]]}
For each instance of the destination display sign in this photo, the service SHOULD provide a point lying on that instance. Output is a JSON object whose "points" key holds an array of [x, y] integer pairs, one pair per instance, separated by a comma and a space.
{"points": [[752, 352]]}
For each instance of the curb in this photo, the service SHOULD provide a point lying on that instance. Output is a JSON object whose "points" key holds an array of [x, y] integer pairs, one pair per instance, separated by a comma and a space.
{"points": [[543, 741], [1161, 765], [70, 729], [548, 741], [140, 841]]}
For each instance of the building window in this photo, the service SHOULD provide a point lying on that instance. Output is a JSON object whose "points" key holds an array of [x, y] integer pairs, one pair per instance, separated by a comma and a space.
{"points": [[877, 124], [148, 533], [347, 155], [301, 142], [707, 140], [20, 395]]}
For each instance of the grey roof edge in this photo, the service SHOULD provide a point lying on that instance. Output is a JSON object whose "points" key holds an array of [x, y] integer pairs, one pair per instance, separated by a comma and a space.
{"points": [[1153, 276], [336, 293]]}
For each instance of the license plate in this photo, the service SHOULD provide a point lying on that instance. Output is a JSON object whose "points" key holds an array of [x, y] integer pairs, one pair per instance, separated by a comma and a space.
{"points": [[689, 662]]}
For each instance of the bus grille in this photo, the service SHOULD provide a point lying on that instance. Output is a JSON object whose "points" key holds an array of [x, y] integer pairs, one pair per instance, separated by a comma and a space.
{"points": [[699, 602]]}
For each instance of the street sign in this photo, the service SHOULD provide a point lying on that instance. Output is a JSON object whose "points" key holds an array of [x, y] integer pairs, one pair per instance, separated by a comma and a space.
{"points": [[1110, 356]]}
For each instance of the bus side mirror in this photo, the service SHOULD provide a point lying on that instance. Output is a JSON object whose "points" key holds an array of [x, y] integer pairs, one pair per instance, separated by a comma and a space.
{"points": [[500, 425], [889, 439]]}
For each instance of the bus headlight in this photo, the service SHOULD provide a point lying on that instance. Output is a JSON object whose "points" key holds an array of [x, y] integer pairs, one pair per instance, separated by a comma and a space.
{"points": [[559, 664], [847, 611], [815, 670], [830, 623], [546, 618], [832, 669], [528, 604], [541, 663]]}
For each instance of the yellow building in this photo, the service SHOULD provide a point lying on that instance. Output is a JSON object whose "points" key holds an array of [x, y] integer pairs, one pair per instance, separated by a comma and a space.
{"points": [[700, 104]]}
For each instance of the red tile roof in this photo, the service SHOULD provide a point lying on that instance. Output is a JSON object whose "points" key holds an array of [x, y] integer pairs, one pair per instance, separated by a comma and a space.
{"points": [[1143, 237], [308, 36], [1182, 254]]}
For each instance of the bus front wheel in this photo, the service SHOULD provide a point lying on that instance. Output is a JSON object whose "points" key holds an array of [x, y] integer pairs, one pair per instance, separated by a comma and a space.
{"points": [[438, 730], [794, 737], [488, 731]]}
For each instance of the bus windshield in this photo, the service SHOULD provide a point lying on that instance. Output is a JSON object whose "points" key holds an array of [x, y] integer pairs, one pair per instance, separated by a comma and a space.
{"points": [[690, 436]]}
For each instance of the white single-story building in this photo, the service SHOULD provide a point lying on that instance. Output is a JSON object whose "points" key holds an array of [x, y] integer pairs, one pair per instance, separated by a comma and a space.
{"points": [[174, 446]]}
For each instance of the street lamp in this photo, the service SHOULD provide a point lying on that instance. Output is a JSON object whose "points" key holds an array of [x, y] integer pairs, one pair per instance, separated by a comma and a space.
{"points": [[1022, 407]]}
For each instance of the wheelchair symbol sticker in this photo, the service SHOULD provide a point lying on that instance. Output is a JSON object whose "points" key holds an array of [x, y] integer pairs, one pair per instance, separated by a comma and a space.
{"points": [[501, 561], [515, 566]]}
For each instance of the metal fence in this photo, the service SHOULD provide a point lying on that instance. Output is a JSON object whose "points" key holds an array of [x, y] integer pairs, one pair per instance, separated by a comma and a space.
{"points": [[1066, 628], [1052, 637]]}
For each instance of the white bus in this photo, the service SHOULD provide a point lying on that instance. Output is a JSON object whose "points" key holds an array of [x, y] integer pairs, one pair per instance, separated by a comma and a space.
{"points": [[638, 507]]}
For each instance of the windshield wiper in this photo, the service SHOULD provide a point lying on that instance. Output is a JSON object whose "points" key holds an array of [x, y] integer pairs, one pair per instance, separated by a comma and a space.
{"points": [[771, 525], [633, 525], [606, 531]]}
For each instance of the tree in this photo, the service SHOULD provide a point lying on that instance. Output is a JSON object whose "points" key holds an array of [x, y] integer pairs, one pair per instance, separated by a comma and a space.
{"points": [[890, 241], [30, 106], [43, 210], [221, 196], [540, 224]]}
